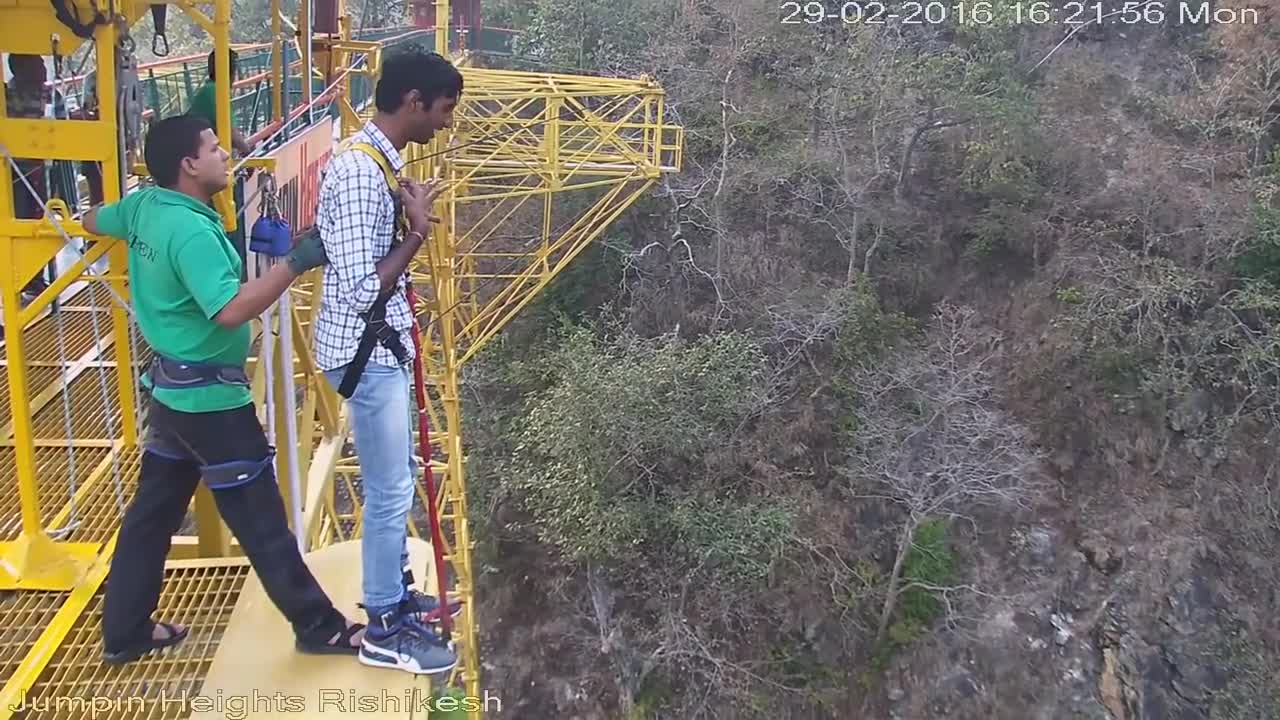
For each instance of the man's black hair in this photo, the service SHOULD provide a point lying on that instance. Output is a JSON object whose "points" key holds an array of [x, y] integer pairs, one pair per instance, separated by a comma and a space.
{"points": [[213, 55], [17, 59], [415, 69], [169, 141]]}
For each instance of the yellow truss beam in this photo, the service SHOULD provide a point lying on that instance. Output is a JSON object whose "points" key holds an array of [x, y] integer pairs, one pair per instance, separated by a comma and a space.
{"points": [[539, 166]]}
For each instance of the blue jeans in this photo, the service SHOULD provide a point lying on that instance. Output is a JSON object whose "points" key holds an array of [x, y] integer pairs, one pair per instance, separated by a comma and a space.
{"points": [[380, 411]]}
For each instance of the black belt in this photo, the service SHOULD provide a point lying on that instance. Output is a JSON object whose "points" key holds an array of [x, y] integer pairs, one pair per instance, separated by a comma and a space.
{"points": [[376, 331], [169, 374]]}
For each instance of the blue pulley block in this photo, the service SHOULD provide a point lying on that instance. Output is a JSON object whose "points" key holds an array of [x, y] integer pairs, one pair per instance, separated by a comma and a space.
{"points": [[270, 236]]}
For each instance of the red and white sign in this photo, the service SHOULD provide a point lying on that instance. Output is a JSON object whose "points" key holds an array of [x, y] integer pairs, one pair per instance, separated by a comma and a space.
{"points": [[297, 175]]}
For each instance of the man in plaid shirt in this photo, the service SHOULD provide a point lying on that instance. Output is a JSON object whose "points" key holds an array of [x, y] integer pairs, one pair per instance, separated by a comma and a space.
{"points": [[357, 219]]}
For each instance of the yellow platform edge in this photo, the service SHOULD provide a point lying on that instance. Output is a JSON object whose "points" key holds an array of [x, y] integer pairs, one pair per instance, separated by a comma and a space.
{"points": [[34, 662], [36, 562], [258, 674]]}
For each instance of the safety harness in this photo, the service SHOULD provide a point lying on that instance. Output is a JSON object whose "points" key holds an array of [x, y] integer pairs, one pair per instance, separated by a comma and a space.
{"points": [[376, 329], [171, 374]]}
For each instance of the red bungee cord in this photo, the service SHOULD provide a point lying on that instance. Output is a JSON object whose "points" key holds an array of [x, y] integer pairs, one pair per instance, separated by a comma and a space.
{"points": [[424, 448]]}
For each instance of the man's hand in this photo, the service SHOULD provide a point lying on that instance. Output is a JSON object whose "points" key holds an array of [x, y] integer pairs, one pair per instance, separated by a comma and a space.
{"points": [[417, 199], [307, 254]]}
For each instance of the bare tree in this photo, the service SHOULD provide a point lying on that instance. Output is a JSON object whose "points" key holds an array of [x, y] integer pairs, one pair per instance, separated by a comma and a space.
{"points": [[933, 441]]}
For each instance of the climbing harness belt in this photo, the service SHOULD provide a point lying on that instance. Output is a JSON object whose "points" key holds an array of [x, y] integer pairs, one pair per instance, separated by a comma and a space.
{"points": [[169, 374], [376, 329]]}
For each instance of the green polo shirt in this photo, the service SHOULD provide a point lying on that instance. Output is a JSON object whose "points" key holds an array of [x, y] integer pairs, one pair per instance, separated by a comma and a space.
{"points": [[205, 104], [182, 271]]}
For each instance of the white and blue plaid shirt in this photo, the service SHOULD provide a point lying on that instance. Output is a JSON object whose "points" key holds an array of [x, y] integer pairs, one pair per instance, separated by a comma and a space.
{"points": [[356, 219]]}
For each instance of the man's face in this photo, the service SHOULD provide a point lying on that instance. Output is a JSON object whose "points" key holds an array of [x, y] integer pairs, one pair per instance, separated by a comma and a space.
{"points": [[431, 119], [209, 166]]}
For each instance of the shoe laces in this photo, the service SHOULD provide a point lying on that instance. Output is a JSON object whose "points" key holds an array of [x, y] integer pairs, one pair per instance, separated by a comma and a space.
{"points": [[418, 600], [417, 628]]}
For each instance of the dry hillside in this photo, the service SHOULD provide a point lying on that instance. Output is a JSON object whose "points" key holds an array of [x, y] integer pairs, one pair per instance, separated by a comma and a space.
{"points": [[941, 383]]}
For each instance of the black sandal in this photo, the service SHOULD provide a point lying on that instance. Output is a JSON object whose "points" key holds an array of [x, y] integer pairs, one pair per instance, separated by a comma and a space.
{"points": [[128, 655], [341, 646]]}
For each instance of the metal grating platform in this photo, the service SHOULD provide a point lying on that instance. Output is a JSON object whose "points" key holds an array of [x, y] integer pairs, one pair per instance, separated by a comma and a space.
{"points": [[37, 377], [52, 468], [77, 334], [24, 616], [100, 507], [76, 685]]}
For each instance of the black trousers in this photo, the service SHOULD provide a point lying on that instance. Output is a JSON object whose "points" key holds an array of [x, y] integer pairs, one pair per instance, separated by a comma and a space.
{"points": [[253, 510]]}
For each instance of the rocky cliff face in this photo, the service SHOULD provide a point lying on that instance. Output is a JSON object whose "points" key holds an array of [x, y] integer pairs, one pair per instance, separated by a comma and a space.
{"points": [[1101, 221]]}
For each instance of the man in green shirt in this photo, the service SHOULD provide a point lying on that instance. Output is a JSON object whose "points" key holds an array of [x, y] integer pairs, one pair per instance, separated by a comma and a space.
{"points": [[205, 104], [193, 311]]}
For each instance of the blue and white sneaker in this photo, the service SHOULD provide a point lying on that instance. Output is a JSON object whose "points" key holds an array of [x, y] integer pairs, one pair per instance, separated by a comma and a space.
{"points": [[422, 606], [399, 642], [425, 608]]}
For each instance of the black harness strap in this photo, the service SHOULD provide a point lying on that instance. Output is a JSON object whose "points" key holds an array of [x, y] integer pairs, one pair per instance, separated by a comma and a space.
{"points": [[169, 374], [376, 330]]}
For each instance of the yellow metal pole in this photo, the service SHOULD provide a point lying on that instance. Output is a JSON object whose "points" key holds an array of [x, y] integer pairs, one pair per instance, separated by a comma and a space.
{"points": [[33, 561], [451, 501], [278, 78], [214, 539], [442, 27], [304, 26], [280, 366], [15, 355], [118, 255], [343, 58], [225, 200]]}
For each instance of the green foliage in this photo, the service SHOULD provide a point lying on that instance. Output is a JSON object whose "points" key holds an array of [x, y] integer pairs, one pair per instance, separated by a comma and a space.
{"points": [[733, 540], [654, 694], [1008, 173], [929, 562], [573, 295], [583, 34], [610, 458], [1070, 295], [866, 331], [1251, 691], [1120, 369], [1261, 259], [451, 704]]}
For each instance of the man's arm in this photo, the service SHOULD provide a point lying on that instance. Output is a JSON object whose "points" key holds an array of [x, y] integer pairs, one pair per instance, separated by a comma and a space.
{"points": [[394, 264], [207, 273], [110, 219], [91, 222], [255, 296]]}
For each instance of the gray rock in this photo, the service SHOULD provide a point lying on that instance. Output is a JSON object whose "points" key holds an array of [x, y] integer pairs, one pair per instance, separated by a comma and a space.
{"points": [[1100, 553], [1190, 412], [1040, 546]]}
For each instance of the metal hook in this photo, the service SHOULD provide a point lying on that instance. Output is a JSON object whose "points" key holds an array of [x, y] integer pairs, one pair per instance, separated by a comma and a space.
{"points": [[158, 13]]}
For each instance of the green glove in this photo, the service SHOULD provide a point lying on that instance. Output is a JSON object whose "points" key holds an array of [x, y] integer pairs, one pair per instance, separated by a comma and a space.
{"points": [[307, 254]]}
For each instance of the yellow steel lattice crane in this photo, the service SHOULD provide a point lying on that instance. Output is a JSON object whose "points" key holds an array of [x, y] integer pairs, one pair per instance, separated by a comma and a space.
{"points": [[538, 166]]}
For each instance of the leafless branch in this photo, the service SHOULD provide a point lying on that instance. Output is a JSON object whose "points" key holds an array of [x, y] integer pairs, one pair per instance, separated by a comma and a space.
{"points": [[932, 437]]}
